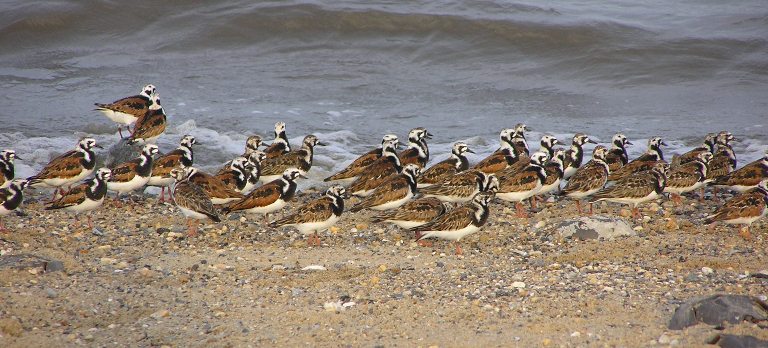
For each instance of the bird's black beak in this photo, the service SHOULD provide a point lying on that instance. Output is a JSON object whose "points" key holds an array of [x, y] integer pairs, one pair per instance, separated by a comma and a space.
{"points": [[470, 151], [17, 157], [628, 143], [321, 143], [428, 136], [663, 143], [99, 146], [591, 141]]}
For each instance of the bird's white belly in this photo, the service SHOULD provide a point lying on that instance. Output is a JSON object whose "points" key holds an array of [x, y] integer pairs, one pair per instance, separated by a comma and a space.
{"points": [[455, 235], [128, 186], [119, 117]]}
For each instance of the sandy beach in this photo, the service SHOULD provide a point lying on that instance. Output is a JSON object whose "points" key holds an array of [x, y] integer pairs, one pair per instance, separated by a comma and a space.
{"points": [[138, 281]]}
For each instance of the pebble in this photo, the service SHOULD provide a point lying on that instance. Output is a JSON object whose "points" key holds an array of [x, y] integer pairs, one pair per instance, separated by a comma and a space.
{"points": [[518, 285], [160, 314], [50, 293], [314, 268], [707, 270], [576, 334], [664, 339], [11, 326]]}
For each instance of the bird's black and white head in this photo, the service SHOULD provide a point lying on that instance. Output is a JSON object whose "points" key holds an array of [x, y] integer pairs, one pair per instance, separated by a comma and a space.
{"points": [[19, 184], [253, 143], [548, 141], [291, 174], [506, 136], [724, 138], [490, 183], [763, 185], [460, 148], [279, 129], [336, 191], [8, 156], [539, 158], [255, 158], [87, 144], [483, 199], [580, 139], [416, 135], [187, 141], [103, 174], [620, 141], [412, 171], [558, 156], [599, 153], [710, 141], [656, 143], [150, 150], [389, 138], [148, 90], [310, 141], [182, 173], [705, 157], [154, 100], [520, 130], [390, 145], [240, 163]]}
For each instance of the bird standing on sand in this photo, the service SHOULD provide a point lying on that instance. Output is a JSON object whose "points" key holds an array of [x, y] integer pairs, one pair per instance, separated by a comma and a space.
{"points": [[85, 197], [192, 200], [11, 198], [316, 216], [743, 209], [458, 223]]}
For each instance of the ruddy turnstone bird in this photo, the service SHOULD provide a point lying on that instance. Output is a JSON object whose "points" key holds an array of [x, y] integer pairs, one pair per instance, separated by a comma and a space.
{"points": [[378, 172], [575, 155], [316, 216], [7, 170], [84, 197], [554, 168], [353, 170], [455, 164], [182, 156], [645, 162], [547, 144], [709, 145], [743, 209], [273, 168], [417, 151], [637, 188], [151, 125], [414, 213], [503, 157], [11, 197], [214, 187], [746, 177], [461, 187], [192, 200], [519, 186], [617, 156], [280, 145], [69, 168], [236, 177], [688, 177], [253, 170], [393, 192], [724, 160], [127, 110], [269, 197], [519, 142], [588, 179], [133, 175], [252, 145], [458, 223]]}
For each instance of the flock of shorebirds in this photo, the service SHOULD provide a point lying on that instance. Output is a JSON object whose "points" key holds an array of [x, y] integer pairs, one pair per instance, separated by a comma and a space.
{"points": [[447, 200]]}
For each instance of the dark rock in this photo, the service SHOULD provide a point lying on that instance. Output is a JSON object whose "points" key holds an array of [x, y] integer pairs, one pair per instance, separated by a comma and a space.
{"points": [[735, 341], [120, 153], [761, 274], [29, 261], [54, 266], [596, 227], [716, 309]]}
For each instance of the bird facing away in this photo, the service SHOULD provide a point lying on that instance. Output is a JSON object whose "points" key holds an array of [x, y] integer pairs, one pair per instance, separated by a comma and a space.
{"points": [[417, 151]]}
